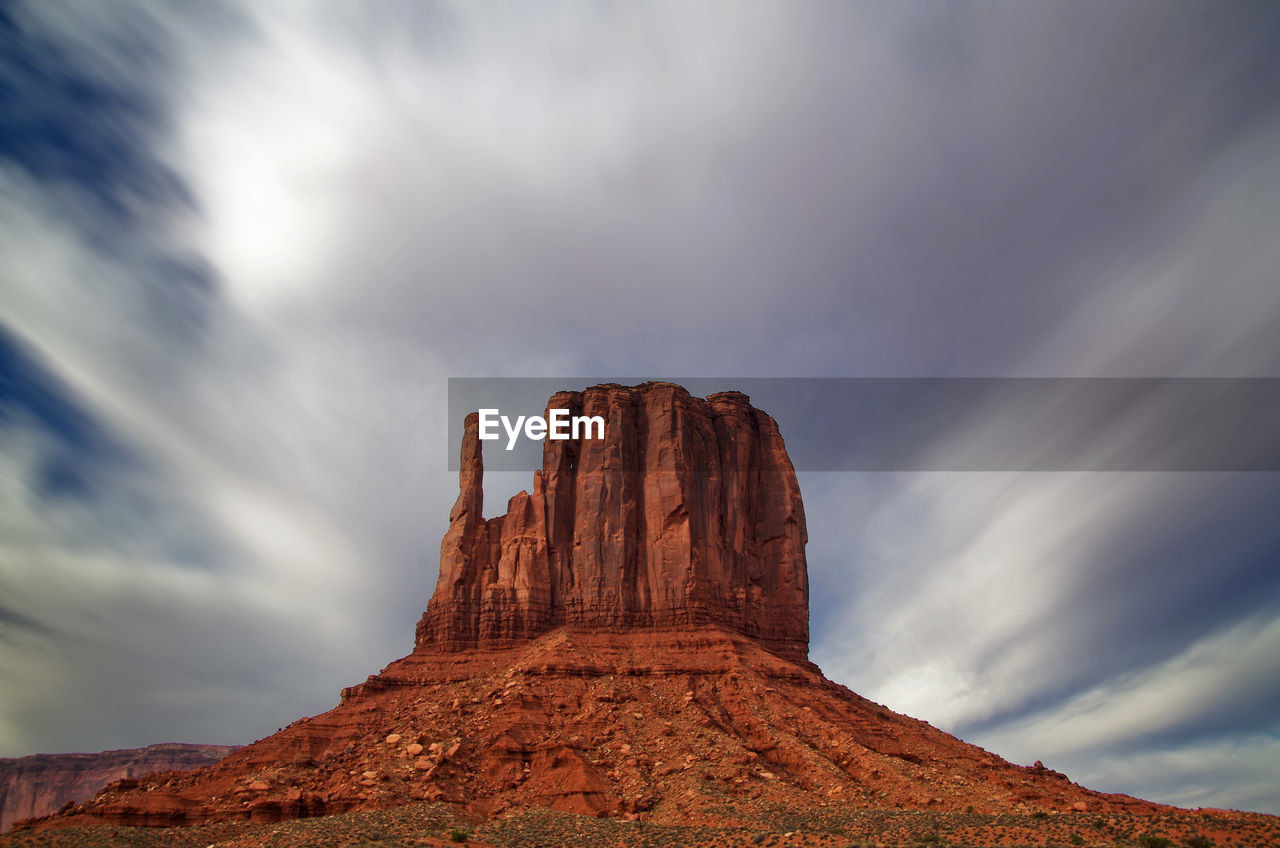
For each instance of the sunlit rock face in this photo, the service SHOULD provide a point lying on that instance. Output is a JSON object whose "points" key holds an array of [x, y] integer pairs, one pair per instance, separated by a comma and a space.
{"points": [[686, 512]]}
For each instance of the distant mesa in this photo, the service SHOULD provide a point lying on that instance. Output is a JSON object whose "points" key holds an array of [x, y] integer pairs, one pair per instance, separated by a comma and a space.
{"points": [[42, 783]]}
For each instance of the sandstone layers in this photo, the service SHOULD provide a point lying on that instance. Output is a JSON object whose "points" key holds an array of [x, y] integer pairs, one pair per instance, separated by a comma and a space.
{"points": [[686, 512], [39, 784]]}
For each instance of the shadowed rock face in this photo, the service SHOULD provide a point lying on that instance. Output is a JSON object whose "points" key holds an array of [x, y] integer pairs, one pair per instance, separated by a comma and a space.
{"points": [[686, 512]]}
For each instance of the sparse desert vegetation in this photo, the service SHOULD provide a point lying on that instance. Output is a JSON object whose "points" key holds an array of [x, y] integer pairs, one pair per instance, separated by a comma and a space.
{"points": [[435, 824]]}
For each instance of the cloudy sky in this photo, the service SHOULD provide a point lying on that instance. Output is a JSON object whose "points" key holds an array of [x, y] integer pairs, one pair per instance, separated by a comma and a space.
{"points": [[244, 245]]}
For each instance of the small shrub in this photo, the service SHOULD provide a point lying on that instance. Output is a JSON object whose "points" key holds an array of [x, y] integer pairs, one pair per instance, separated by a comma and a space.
{"points": [[1150, 840], [968, 810], [1199, 841], [1077, 839], [1039, 814], [456, 835], [929, 839], [1098, 824]]}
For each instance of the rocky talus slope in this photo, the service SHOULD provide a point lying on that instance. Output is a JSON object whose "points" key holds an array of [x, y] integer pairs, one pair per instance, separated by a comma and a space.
{"points": [[672, 725]]}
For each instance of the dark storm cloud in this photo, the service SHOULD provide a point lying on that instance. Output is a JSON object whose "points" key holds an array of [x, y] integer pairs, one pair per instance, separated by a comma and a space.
{"points": [[52, 96]]}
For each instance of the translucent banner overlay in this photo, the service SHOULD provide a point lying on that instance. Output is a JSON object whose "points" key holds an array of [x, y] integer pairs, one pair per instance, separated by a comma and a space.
{"points": [[953, 424]]}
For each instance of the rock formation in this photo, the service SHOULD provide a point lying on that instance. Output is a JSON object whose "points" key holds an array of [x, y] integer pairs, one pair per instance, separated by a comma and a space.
{"points": [[40, 784], [686, 512], [628, 640]]}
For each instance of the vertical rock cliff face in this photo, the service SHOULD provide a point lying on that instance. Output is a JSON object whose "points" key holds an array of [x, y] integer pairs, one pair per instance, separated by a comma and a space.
{"points": [[686, 512]]}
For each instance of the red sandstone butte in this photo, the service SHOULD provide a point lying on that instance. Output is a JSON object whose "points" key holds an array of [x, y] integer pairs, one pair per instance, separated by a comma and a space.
{"points": [[628, 640], [41, 783], [686, 512]]}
